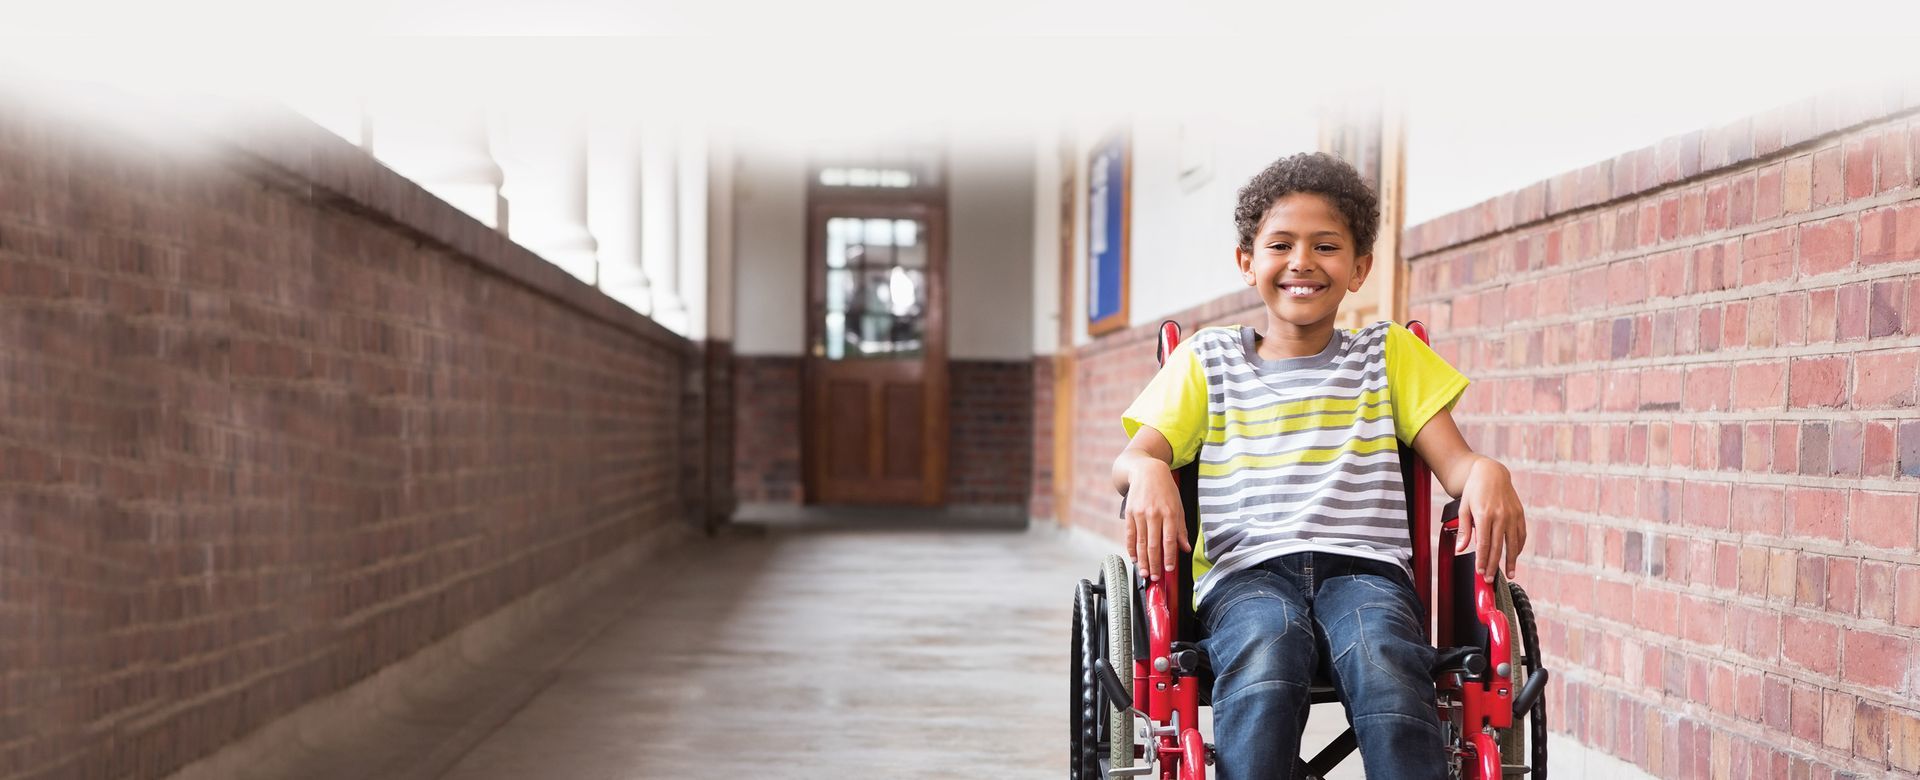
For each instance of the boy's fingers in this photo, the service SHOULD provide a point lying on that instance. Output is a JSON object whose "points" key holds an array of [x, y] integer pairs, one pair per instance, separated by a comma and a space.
{"points": [[1172, 553], [1489, 554], [1465, 539], [1153, 553]]}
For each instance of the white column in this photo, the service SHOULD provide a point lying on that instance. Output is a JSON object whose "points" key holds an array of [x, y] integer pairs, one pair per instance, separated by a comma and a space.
{"points": [[442, 146], [692, 174], [545, 156], [613, 211], [660, 223]]}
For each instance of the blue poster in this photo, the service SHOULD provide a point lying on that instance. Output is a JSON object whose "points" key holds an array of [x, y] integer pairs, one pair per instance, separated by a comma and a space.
{"points": [[1107, 235]]}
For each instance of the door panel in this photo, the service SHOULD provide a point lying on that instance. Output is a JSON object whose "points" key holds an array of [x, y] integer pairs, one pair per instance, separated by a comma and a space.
{"points": [[876, 427]]}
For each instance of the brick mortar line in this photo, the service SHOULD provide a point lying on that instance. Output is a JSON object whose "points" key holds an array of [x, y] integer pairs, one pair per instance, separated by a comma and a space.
{"points": [[1607, 257], [1755, 732], [1784, 609], [1833, 138], [1852, 550], [1801, 414], [1731, 477], [1694, 300]]}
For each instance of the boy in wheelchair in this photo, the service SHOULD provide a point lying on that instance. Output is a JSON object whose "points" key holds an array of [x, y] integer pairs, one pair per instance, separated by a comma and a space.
{"points": [[1302, 562]]}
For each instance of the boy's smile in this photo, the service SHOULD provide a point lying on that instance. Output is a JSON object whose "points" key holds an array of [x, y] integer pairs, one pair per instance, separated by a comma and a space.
{"points": [[1303, 264]]}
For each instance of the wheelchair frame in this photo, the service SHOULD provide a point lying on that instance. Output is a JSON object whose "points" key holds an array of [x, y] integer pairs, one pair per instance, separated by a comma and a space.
{"points": [[1475, 684]]}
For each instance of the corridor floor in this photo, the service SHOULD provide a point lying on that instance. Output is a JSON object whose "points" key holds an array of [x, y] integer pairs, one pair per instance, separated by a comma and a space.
{"points": [[806, 649]]}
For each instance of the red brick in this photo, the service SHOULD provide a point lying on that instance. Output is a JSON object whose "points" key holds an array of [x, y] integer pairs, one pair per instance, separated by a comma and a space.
{"points": [[1827, 174], [1877, 589], [1758, 447], [1626, 282], [1842, 585], [1851, 311], [1815, 382], [1886, 307], [1880, 456], [1768, 257], [1660, 388], [1590, 289], [1822, 321], [1807, 703], [1826, 246], [1716, 265], [1797, 184], [1761, 385], [1786, 448], [1870, 731], [1836, 727], [1693, 208], [1812, 644], [1767, 199], [1890, 235], [1705, 504], [1884, 378], [1877, 660], [1762, 316], [1903, 740], [1892, 160], [1791, 327], [1846, 447], [1707, 388], [1906, 597], [1716, 215], [1860, 153], [1740, 200], [1907, 461], [1810, 580], [1815, 448], [1816, 512], [1759, 509], [1885, 520]]}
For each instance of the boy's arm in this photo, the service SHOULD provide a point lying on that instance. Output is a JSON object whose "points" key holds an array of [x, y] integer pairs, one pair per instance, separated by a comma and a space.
{"points": [[1485, 490], [1156, 524]]}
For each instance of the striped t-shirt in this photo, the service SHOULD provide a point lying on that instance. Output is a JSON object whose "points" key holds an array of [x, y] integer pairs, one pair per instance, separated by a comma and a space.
{"points": [[1299, 454]]}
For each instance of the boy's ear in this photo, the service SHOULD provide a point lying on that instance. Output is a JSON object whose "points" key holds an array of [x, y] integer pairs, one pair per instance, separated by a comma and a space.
{"points": [[1244, 259], [1362, 265]]}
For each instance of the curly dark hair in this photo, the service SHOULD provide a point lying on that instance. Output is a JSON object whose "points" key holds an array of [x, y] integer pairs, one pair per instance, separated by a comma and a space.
{"points": [[1321, 174]]}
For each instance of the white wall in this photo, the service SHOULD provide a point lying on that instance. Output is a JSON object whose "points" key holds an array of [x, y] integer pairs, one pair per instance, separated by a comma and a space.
{"points": [[1181, 252], [990, 247], [770, 251], [990, 260], [1046, 241]]}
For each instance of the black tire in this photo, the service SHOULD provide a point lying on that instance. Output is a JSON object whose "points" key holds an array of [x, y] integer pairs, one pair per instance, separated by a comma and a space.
{"points": [[1530, 644], [1086, 698]]}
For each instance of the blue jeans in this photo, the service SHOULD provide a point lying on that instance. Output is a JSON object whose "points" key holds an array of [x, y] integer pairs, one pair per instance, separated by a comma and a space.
{"points": [[1271, 627]]}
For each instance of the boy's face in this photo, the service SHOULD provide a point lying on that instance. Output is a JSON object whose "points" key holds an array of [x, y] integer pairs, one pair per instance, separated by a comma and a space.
{"points": [[1303, 260]]}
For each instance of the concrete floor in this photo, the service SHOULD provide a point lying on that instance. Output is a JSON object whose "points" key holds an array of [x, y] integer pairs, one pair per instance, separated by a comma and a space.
{"points": [[848, 647]]}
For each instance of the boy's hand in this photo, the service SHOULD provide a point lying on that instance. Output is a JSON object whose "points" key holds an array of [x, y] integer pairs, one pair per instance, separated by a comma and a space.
{"points": [[1156, 525], [1490, 510]]}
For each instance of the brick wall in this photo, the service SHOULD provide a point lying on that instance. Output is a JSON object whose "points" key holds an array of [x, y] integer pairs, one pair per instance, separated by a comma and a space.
{"points": [[1699, 360], [1040, 481], [718, 439], [990, 445], [272, 418], [766, 419]]}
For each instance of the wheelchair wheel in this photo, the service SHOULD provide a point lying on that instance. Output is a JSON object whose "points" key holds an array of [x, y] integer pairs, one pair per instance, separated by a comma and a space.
{"points": [[1117, 585], [1514, 755], [1084, 699], [1530, 644]]}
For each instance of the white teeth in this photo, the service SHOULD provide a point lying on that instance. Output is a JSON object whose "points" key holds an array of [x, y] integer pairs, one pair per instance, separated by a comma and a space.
{"points": [[1301, 290]]}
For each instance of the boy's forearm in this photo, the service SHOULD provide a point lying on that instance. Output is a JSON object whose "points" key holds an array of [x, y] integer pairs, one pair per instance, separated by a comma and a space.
{"points": [[1129, 465], [1456, 479]]}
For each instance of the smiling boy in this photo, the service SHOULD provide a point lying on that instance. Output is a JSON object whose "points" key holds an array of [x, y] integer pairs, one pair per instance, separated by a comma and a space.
{"points": [[1302, 564]]}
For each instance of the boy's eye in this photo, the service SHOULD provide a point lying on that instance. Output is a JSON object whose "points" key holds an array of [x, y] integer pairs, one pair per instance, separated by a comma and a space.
{"points": [[1279, 247], [1328, 248]]}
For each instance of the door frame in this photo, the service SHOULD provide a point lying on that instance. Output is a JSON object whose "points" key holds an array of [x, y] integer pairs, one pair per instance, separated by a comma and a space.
{"points": [[821, 206]]}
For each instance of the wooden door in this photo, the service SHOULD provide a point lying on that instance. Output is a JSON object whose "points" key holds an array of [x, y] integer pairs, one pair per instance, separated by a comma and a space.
{"points": [[876, 365]]}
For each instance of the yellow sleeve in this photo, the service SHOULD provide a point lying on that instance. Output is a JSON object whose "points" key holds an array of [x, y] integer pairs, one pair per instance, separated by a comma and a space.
{"points": [[1174, 403], [1420, 381]]}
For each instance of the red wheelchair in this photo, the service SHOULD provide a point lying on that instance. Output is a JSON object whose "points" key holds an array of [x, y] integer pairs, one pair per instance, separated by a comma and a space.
{"points": [[1488, 677]]}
